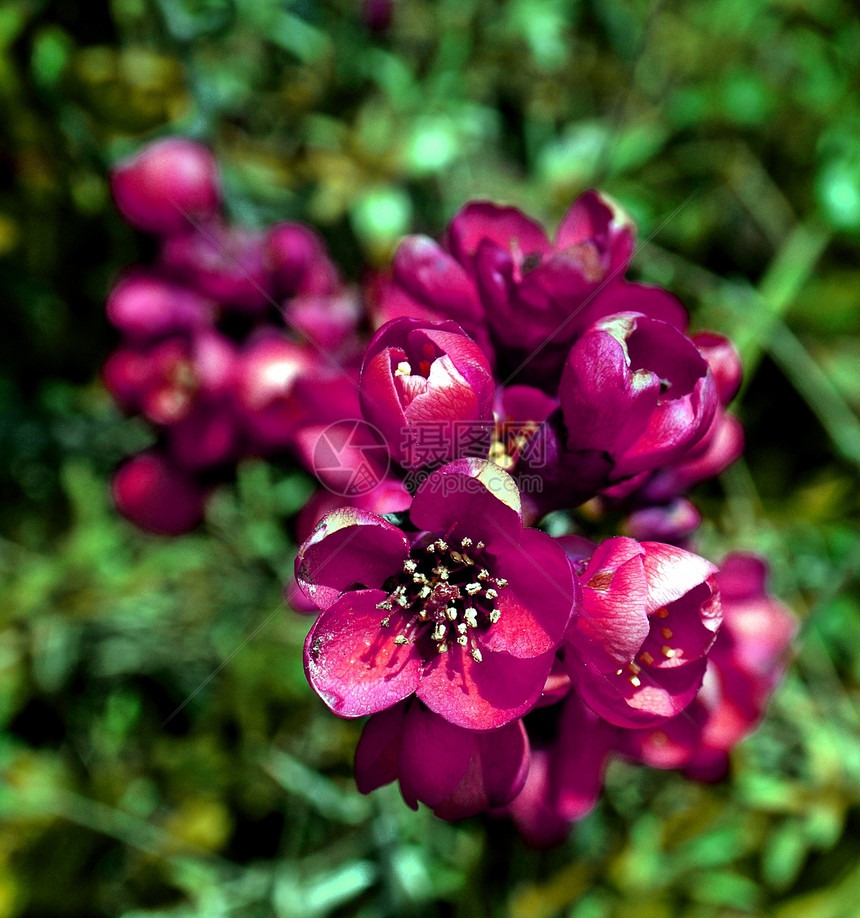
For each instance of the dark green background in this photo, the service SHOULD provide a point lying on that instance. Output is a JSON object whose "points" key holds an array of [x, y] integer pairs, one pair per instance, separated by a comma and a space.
{"points": [[730, 130]]}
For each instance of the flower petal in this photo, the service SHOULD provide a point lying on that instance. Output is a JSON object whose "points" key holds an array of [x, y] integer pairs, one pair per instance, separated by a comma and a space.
{"points": [[471, 497], [353, 663], [485, 695], [537, 604], [377, 753], [349, 547]]}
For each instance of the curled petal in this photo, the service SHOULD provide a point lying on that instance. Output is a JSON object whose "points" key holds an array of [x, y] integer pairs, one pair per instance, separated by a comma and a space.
{"points": [[348, 548]]}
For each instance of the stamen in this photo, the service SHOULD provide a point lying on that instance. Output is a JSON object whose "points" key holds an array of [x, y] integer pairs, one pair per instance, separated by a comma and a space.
{"points": [[451, 612], [483, 574], [472, 588], [494, 616], [476, 655], [635, 681], [663, 613], [480, 545], [646, 658], [666, 632], [442, 648], [409, 565], [462, 640], [466, 542], [400, 640], [667, 651], [491, 593], [403, 369]]}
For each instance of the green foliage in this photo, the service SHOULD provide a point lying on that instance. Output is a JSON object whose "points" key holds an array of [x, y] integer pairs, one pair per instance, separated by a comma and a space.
{"points": [[161, 752]]}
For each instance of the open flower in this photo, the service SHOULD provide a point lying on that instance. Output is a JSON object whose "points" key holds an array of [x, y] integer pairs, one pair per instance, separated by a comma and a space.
{"points": [[650, 614], [467, 613]]}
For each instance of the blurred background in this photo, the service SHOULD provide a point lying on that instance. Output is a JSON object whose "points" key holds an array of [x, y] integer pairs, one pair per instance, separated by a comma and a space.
{"points": [[161, 753]]}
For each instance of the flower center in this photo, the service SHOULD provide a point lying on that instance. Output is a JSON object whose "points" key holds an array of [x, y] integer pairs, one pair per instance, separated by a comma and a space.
{"points": [[446, 593]]}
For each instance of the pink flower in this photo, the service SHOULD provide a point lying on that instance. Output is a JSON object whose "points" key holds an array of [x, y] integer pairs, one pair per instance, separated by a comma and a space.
{"points": [[157, 496], [638, 390], [744, 667], [650, 613], [421, 378], [166, 186], [466, 613]]}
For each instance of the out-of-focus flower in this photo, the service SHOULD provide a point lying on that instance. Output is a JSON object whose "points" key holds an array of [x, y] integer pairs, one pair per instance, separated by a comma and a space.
{"points": [[157, 496], [167, 186], [467, 613], [146, 306]]}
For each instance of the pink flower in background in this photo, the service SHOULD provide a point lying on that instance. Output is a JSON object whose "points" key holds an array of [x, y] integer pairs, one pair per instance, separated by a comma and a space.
{"points": [[167, 186]]}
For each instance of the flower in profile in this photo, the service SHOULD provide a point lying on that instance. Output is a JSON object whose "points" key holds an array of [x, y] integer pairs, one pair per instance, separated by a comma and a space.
{"points": [[456, 772], [424, 385], [638, 390], [466, 613], [566, 774], [744, 667], [650, 614]]}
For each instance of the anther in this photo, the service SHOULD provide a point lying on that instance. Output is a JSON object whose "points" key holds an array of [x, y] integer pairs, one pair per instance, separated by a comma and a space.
{"points": [[400, 640], [403, 369], [480, 545], [491, 593], [483, 574], [441, 546], [409, 565], [634, 668], [462, 640], [451, 612], [462, 628], [494, 616], [442, 648], [476, 655], [471, 618], [663, 613], [466, 542], [472, 588], [635, 681], [666, 632], [667, 651], [646, 658], [439, 632]]}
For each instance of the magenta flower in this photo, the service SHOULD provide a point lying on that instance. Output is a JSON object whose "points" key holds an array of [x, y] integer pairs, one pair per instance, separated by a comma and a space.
{"points": [[744, 666], [224, 262], [298, 261], [426, 386], [157, 496], [146, 306], [638, 390], [166, 186], [456, 772], [650, 613], [466, 613]]}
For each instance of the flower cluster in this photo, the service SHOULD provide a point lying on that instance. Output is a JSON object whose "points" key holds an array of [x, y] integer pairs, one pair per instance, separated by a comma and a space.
{"points": [[503, 375]]}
